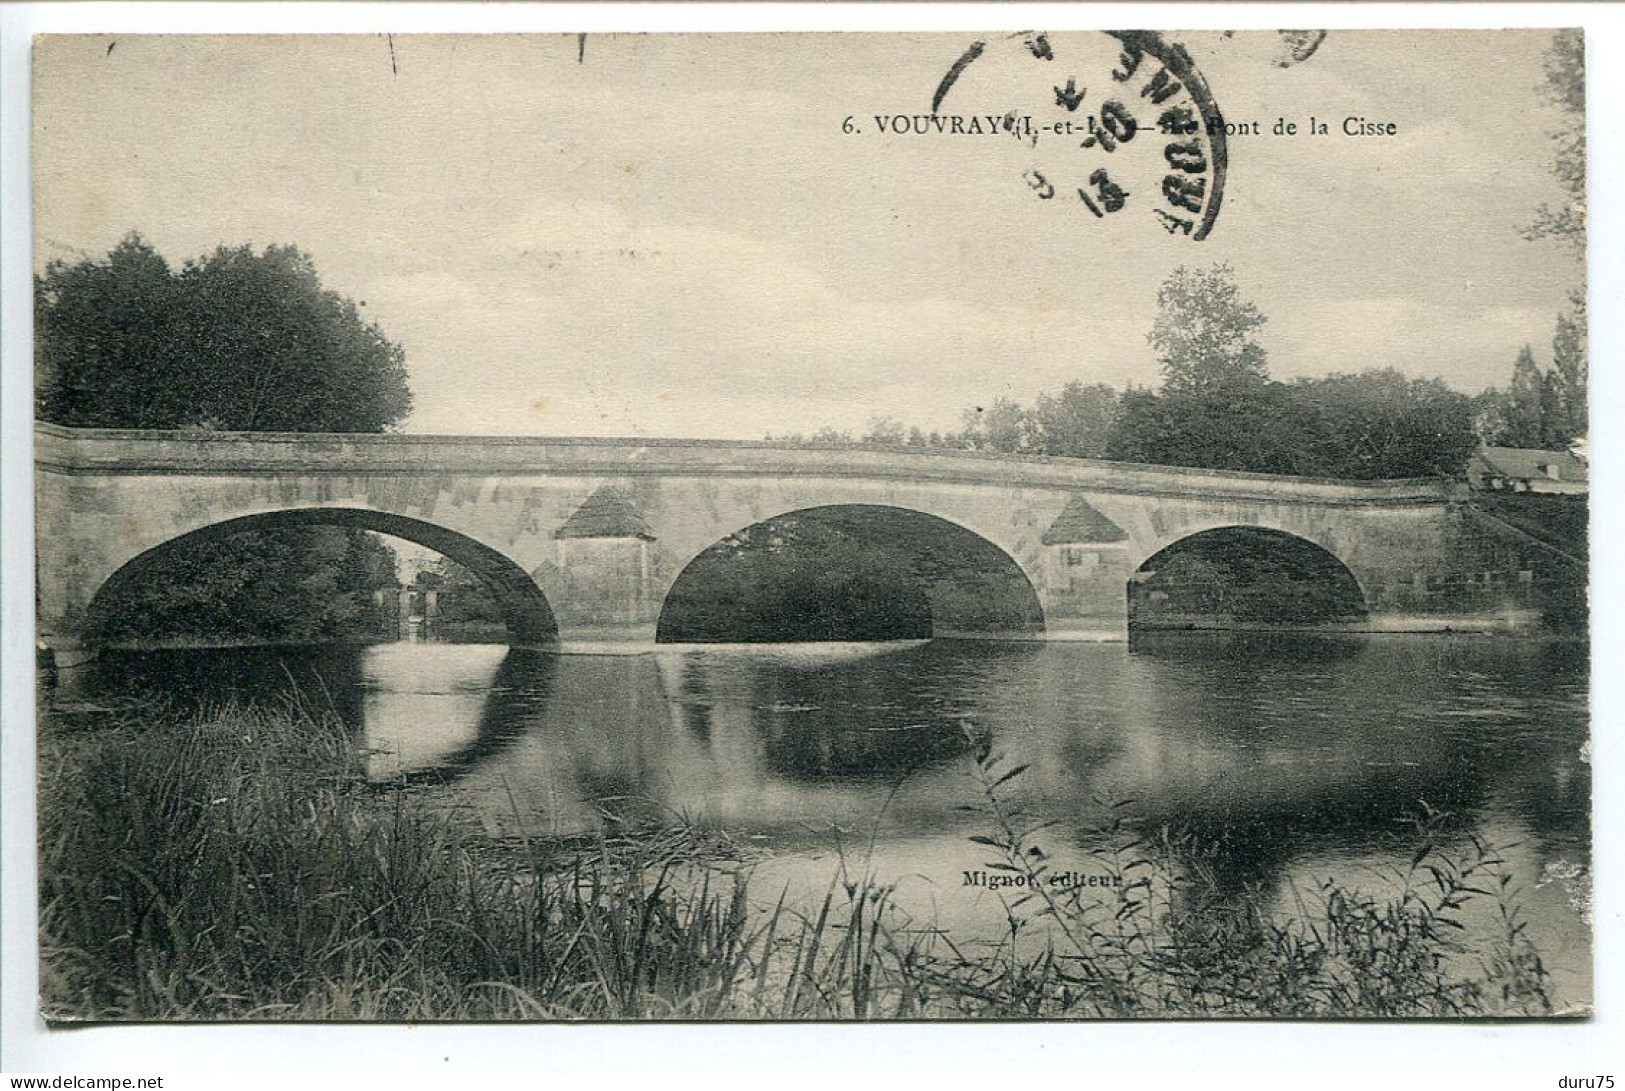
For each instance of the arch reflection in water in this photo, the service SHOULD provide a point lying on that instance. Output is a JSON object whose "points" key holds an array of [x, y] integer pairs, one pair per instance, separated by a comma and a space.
{"points": [[814, 726], [783, 740], [429, 712], [1255, 756], [1229, 738], [1270, 758]]}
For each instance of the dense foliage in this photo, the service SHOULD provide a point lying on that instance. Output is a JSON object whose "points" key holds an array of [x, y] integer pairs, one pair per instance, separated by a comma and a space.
{"points": [[283, 585], [1540, 408], [234, 340], [1243, 576], [1366, 426], [796, 579]]}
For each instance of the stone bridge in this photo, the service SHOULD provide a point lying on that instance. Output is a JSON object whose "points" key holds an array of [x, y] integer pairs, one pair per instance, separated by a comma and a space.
{"points": [[584, 538]]}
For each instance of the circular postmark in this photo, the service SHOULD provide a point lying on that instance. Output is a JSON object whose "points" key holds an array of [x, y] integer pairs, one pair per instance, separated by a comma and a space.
{"points": [[1117, 126]]}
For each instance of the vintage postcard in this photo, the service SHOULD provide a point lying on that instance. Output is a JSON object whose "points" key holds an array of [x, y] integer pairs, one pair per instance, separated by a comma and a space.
{"points": [[1023, 524]]}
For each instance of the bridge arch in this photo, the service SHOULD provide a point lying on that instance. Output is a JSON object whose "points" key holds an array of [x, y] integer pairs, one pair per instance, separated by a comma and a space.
{"points": [[526, 612], [939, 578], [1244, 574]]}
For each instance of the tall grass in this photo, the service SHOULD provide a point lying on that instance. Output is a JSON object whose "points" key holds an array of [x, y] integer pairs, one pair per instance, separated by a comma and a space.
{"points": [[1168, 943], [235, 865]]}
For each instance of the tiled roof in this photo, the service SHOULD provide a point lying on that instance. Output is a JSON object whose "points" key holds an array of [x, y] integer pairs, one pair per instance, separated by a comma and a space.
{"points": [[1080, 523], [1527, 463], [607, 513]]}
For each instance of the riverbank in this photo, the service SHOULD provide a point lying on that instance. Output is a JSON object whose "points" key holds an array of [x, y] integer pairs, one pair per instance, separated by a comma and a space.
{"points": [[237, 865]]}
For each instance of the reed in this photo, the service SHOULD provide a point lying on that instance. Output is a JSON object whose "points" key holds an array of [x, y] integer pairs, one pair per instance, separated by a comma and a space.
{"points": [[235, 865]]}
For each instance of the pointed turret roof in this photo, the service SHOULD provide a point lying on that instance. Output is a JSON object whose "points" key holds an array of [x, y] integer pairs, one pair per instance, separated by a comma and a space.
{"points": [[1080, 524], [607, 513]]}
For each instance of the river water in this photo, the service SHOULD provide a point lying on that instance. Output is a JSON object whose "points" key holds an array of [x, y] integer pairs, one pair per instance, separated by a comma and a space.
{"points": [[1290, 758]]}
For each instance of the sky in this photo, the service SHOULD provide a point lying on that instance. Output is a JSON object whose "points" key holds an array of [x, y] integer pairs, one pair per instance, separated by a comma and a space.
{"points": [[671, 235]]}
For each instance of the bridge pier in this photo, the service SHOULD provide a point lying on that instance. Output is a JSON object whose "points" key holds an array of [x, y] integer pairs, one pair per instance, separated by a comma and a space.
{"points": [[61, 667], [1083, 588], [59, 652], [625, 637]]}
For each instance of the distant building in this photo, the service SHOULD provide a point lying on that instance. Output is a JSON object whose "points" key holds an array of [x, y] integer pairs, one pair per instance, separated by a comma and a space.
{"points": [[1526, 469]]}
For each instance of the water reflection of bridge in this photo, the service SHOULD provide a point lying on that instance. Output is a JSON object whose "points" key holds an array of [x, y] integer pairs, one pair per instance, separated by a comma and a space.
{"points": [[1259, 759]]}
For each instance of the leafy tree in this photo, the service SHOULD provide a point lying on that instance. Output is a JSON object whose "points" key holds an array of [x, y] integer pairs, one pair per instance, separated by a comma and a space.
{"points": [[1244, 428], [235, 340], [1535, 409], [1490, 419], [1203, 332], [1543, 409], [1526, 402], [1217, 407], [1565, 85], [1005, 426], [1077, 422], [104, 339], [1380, 424], [288, 585], [1570, 377]]}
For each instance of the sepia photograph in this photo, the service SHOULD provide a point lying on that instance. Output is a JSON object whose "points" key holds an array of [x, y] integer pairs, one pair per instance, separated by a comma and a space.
{"points": [[1014, 524]]}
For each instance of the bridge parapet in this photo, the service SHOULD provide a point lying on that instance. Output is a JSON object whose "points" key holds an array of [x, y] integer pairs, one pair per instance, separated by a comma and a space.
{"points": [[93, 451]]}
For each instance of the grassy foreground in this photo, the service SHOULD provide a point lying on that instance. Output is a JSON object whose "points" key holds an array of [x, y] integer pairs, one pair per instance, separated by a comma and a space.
{"points": [[235, 866]]}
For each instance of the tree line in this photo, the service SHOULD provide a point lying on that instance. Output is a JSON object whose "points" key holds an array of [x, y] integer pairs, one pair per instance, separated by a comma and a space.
{"points": [[1544, 408], [1218, 408]]}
